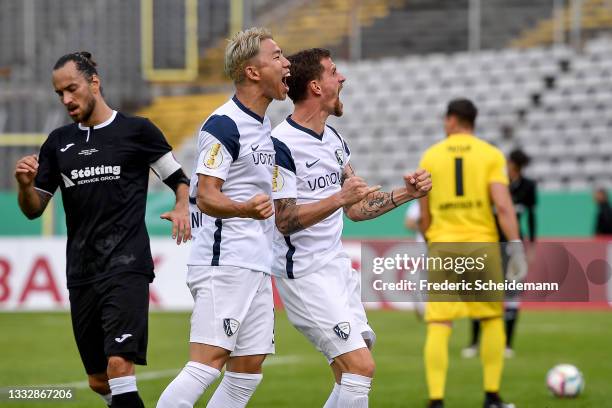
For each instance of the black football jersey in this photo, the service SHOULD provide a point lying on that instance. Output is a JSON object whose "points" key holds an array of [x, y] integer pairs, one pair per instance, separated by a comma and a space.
{"points": [[524, 197], [103, 173]]}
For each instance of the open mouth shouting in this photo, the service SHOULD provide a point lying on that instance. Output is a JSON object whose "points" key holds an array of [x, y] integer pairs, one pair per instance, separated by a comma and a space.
{"points": [[284, 81]]}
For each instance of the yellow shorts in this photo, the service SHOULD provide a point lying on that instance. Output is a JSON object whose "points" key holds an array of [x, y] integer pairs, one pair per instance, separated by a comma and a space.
{"points": [[444, 311], [457, 304]]}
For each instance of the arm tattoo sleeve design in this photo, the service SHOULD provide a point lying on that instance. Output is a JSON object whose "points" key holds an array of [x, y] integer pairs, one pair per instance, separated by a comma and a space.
{"points": [[373, 204], [287, 216], [347, 174]]}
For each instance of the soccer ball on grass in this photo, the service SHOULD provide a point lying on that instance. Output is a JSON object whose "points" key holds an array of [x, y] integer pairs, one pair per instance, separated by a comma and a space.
{"points": [[565, 381]]}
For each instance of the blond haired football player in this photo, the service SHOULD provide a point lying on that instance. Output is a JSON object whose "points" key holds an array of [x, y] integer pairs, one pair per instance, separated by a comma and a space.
{"points": [[470, 178], [229, 267]]}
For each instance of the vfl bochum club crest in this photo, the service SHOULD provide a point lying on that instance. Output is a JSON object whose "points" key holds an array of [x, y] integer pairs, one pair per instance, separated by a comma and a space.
{"points": [[230, 326], [340, 156], [343, 330]]}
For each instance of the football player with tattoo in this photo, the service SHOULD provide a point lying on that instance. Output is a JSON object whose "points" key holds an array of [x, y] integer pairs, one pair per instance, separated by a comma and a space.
{"points": [[314, 185]]}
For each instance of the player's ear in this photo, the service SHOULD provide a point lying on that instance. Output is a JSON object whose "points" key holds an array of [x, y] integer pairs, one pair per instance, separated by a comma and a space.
{"points": [[252, 73], [94, 83], [450, 121], [315, 87]]}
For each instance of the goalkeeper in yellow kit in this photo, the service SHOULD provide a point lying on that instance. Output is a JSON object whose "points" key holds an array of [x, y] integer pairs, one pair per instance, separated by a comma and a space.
{"points": [[470, 179]]}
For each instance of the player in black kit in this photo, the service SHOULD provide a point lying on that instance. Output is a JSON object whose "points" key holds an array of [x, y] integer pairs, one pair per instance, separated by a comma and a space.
{"points": [[524, 197], [101, 165]]}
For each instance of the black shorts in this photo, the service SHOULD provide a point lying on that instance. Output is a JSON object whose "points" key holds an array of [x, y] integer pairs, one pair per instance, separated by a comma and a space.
{"points": [[110, 318]]}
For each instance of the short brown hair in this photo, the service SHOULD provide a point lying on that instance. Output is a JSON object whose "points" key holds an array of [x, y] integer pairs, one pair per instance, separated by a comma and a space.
{"points": [[464, 110], [305, 67]]}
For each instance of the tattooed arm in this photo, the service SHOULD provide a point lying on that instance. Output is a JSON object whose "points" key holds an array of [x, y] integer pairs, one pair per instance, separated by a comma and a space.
{"points": [[287, 218], [376, 204], [291, 217], [380, 202]]}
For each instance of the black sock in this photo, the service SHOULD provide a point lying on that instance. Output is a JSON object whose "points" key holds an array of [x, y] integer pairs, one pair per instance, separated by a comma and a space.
{"points": [[492, 397], [436, 403], [510, 317], [127, 400], [475, 332]]}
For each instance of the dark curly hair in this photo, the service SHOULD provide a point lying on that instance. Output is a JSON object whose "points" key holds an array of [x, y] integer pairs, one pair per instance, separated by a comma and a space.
{"points": [[520, 158], [305, 67]]}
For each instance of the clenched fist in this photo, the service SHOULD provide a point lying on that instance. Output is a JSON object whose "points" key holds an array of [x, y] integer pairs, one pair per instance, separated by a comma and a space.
{"points": [[259, 207], [354, 190], [26, 170], [418, 184]]}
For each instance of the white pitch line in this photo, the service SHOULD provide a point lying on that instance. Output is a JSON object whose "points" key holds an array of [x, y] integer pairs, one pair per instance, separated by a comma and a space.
{"points": [[154, 375]]}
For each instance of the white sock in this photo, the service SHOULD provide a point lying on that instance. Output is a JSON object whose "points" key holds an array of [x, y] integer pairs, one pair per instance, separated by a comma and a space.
{"points": [[354, 391], [122, 385], [188, 386], [235, 390], [332, 400], [107, 398]]}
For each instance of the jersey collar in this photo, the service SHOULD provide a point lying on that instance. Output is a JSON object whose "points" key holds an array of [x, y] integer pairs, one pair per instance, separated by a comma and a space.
{"points": [[103, 124], [305, 129], [247, 110], [461, 135]]}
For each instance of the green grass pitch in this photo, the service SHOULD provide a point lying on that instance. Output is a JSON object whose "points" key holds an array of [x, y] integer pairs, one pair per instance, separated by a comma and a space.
{"points": [[38, 348]]}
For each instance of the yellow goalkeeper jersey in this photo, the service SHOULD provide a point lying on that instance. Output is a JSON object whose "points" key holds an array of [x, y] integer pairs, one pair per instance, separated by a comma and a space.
{"points": [[462, 169]]}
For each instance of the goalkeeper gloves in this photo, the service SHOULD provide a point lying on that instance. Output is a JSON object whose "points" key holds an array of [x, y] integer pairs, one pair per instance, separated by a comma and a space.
{"points": [[517, 261]]}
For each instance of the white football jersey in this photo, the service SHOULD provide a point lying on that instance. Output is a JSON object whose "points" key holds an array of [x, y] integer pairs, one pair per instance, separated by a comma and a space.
{"points": [[308, 168], [234, 145]]}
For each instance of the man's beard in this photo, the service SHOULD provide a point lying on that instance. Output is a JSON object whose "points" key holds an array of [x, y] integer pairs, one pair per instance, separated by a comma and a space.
{"points": [[87, 111], [338, 108]]}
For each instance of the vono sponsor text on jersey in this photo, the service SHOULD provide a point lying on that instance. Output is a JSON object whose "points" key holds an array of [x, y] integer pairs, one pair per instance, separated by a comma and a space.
{"points": [[324, 181], [266, 159]]}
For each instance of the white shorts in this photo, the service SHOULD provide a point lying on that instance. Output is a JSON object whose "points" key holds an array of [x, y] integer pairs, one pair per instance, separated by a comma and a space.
{"points": [[325, 306], [233, 309]]}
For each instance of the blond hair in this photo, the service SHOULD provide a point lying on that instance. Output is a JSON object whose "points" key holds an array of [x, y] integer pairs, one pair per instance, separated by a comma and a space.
{"points": [[243, 46]]}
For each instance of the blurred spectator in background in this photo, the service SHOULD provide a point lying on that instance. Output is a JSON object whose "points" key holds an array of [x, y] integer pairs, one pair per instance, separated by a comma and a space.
{"points": [[524, 196], [523, 191], [603, 220]]}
